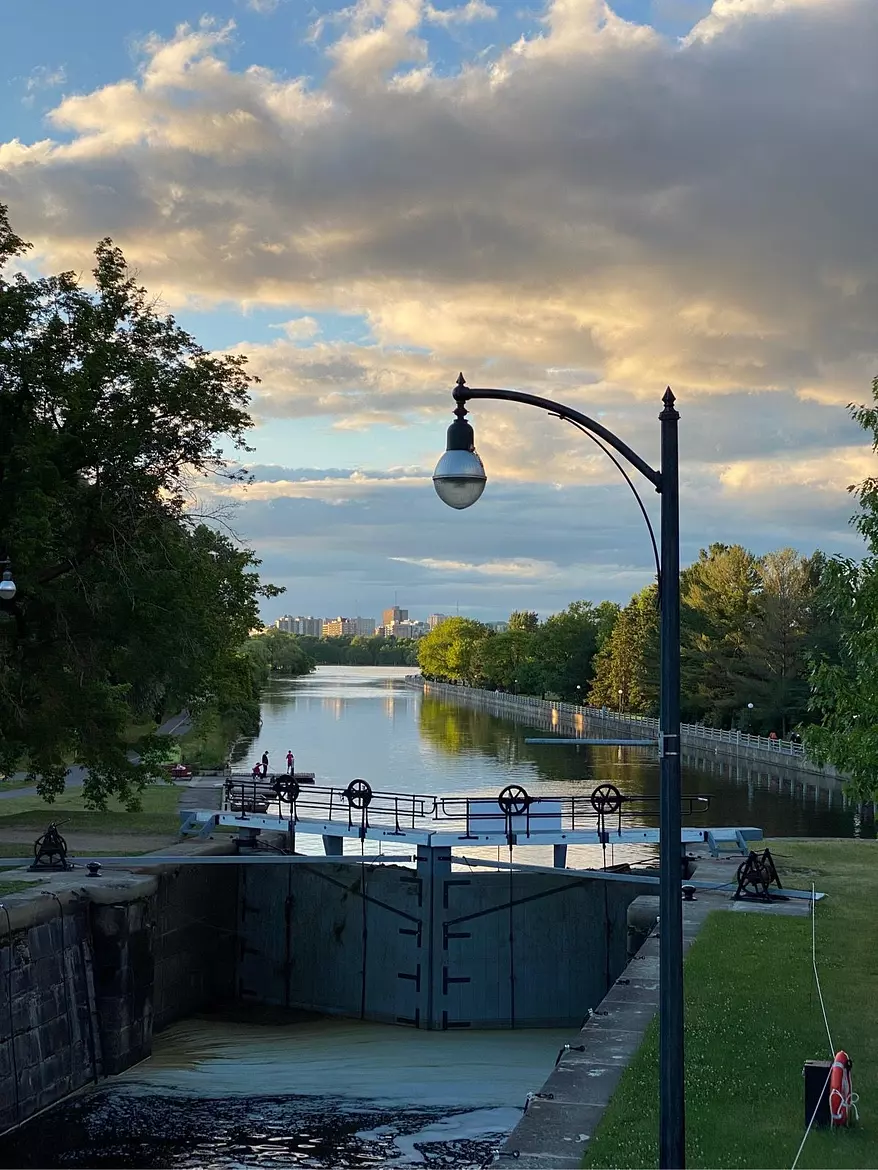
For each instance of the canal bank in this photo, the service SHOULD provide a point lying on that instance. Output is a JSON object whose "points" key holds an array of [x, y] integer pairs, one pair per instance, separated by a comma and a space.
{"points": [[699, 743], [345, 723]]}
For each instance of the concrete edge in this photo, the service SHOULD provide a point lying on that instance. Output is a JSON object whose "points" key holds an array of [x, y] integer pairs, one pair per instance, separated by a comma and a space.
{"points": [[562, 1117], [73, 889]]}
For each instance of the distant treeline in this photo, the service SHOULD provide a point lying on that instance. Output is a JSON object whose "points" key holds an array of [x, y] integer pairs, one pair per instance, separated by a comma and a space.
{"points": [[360, 650], [750, 627]]}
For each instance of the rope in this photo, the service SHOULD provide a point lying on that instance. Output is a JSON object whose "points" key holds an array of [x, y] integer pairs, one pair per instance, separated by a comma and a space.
{"points": [[811, 1122], [814, 965], [852, 1098]]}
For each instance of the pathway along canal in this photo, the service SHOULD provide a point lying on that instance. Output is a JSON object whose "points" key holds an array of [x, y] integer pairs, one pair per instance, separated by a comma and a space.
{"points": [[285, 1090]]}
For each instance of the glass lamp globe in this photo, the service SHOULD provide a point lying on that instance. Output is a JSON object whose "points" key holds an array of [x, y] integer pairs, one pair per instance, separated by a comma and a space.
{"points": [[7, 587], [459, 478]]}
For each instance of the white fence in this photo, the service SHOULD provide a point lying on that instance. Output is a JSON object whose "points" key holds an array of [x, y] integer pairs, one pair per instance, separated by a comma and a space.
{"points": [[549, 711]]}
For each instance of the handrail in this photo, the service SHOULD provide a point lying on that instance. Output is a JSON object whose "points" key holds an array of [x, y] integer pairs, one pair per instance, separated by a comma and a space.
{"points": [[693, 730]]}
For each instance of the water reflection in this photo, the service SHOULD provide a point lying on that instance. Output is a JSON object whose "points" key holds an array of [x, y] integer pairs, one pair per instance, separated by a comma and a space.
{"points": [[344, 722]]}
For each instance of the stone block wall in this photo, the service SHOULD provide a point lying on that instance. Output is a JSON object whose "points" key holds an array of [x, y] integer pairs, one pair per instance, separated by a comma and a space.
{"points": [[49, 1043], [195, 916], [89, 970]]}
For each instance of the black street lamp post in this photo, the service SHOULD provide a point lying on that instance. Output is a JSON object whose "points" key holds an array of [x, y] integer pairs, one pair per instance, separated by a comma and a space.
{"points": [[459, 480]]}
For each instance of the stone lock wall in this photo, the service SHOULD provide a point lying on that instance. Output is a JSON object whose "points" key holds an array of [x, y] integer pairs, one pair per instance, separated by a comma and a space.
{"points": [[88, 971]]}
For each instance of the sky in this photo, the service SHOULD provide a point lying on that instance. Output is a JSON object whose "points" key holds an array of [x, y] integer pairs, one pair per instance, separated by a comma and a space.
{"points": [[583, 201]]}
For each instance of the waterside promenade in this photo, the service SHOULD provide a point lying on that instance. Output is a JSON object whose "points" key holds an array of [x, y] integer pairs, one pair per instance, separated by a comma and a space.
{"points": [[577, 720]]}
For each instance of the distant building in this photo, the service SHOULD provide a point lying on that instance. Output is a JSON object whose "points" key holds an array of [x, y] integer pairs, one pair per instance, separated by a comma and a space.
{"points": [[498, 627], [403, 629], [343, 627], [365, 626], [309, 626], [390, 616], [436, 619]]}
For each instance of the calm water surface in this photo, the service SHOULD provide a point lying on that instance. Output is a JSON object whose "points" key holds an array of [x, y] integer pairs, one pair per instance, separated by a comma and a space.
{"points": [[346, 722], [324, 1092]]}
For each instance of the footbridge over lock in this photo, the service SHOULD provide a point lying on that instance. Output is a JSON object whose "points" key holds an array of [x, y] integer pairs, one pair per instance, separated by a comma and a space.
{"points": [[428, 936]]}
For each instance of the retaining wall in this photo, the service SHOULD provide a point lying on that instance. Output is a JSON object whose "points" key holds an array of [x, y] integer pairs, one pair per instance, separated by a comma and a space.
{"points": [[433, 948], [88, 970]]}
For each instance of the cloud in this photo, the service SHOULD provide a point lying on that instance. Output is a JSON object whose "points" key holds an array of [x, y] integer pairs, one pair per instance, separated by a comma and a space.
{"points": [[466, 13], [40, 78], [591, 211], [519, 569], [594, 197]]}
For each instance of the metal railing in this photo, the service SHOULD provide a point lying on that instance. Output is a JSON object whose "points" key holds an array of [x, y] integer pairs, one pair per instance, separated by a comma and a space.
{"points": [[552, 710], [359, 804]]}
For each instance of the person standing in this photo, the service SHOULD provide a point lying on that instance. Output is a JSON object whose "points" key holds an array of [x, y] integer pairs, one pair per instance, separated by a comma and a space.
{"points": [[290, 763], [264, 764]]}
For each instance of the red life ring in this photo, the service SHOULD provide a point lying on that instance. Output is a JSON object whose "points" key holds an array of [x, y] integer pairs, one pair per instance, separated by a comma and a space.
{"points": [[840, 1089]]}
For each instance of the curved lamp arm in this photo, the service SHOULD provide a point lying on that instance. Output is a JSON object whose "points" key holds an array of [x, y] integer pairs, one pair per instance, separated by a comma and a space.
{"points": [[462, 393], [598, 434]]}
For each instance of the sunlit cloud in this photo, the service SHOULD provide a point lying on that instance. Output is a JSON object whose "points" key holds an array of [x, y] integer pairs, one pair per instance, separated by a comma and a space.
{"points": [[591, 211]]}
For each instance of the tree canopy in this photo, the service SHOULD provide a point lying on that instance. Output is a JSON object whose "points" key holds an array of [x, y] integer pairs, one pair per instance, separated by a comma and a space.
{"points": [[844, 679], [129, 605]]}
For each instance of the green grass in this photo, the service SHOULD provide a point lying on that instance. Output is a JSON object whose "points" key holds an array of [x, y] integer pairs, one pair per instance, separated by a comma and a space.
{"points": [[753, 1018], [209, 746], [158, 813], [16, 887]]}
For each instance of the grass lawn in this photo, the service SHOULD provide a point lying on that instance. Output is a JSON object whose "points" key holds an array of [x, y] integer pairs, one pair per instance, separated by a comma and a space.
{"points": [[753, 1019], [158, 813]]}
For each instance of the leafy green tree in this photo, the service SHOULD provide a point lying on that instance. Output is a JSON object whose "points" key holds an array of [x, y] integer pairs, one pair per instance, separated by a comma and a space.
{"points": [[719, 596], [507, 660], [566, 646], [844, 686], [525, 621], [127, 605], [280, 652], [451, 652], [628, 660], [774, 667]]}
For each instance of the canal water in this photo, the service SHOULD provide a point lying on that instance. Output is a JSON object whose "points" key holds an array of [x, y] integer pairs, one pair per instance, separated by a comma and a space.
{"points": [[279, 1089]]}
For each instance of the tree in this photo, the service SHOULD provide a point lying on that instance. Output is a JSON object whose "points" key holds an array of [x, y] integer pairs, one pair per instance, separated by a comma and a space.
{"points": [[719, 595], [779, 639], [568, 642], [451, 651], [280, 652], [507, 660], [844, 687], [524, 620], [628, 660], [127, 604]]}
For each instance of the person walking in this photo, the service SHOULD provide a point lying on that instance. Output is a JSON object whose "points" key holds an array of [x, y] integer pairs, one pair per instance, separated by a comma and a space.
{"points": [[264, 764], [772, 735], [291, 763]]}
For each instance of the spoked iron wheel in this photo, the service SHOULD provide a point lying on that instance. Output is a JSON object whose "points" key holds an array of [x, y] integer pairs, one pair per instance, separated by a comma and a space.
{"points": [[359, 794], [513, 800], [606, 799], [287, 791]]}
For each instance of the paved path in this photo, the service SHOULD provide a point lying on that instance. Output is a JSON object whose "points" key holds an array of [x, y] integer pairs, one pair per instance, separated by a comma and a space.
{"points": [[178, 725]]}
